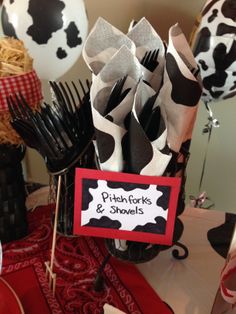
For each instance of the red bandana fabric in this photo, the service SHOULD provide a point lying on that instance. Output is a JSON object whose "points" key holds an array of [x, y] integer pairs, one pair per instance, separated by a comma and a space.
{"points": [[76, 264]]}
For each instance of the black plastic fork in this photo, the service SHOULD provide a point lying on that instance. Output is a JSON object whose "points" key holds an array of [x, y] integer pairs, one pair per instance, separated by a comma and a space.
{"points": [[117, 95], [149, 60]]}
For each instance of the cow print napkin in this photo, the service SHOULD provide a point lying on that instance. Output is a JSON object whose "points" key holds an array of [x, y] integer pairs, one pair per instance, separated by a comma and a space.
{"points": [[157, 114], [181, 90], [110, 127], [103, 42], [148, 152], [146, 39]]}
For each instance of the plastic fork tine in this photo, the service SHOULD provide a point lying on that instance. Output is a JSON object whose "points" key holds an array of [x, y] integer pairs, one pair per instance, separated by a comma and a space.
{"points": [[16, 109], [57, 92], [74, 114], [114, 97], [156, 54], [10, 104], [149, 60], [61, 106], [24, 107], [76, 107], [77, 93], [55, 119], [81, 110], [67, 98], [146, 111], [145, 58], [88, 84], [82, 87], [71, 95]]}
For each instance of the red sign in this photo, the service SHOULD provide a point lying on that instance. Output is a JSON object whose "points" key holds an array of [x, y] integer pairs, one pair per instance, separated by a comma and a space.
{"points": [[125, 206]]}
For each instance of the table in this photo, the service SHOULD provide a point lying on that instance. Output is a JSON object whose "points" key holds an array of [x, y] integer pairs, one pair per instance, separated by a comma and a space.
{"points": [[189, 286], [9, 302]]}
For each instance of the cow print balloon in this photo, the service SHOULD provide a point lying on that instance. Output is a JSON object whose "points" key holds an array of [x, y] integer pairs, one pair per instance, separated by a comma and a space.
{"points": [[52, 30], [214, 47]]}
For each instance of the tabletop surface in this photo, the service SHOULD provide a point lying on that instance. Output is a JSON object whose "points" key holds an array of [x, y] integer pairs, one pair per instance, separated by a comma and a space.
{"points": [[189, 286]]}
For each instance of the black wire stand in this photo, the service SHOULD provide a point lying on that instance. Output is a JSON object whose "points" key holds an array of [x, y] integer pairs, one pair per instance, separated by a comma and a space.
{"points": [[64, 205]]}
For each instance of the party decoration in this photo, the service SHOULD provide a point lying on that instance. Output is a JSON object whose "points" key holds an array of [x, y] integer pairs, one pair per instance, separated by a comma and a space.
{"points": [[214, 47], [53, 31], [144, 99]]}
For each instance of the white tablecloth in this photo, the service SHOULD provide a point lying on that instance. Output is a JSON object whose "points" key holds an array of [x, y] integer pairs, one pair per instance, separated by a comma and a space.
{"points": [[189, 286]]}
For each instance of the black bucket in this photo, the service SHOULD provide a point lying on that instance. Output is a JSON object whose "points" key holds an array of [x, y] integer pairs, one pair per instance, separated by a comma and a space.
{"points": [[13, 214]]}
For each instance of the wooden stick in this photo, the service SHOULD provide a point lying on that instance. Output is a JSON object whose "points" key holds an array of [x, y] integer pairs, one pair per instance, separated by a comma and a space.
{"points": [[49, 266], [55, 223]]}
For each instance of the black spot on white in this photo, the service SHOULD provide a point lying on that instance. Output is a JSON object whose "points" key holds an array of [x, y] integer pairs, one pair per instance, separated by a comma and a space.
{"points": [[163, 201], [220, 236], [223, 29], [47, 19], [104, 222], [229, 9], [203, 64], [72, 32], [106, 145], [7, 27], [213, 16], [193, 90], [126, 186], [202, 43], [159, 227], [61, 53], [87, 196]]}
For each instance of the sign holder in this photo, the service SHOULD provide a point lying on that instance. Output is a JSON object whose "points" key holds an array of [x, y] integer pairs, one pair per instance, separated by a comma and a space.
{"points": [[125, 206]]}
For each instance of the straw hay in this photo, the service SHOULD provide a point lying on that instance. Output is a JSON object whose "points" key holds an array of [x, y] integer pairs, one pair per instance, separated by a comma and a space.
{"points": [[14, 58]]}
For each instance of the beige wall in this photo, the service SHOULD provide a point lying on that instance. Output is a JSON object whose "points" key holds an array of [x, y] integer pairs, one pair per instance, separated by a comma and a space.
{"points": [[220, 176]]}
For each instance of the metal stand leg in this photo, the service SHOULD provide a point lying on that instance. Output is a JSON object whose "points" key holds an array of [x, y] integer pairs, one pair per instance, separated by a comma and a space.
{"points": [[176, 252], [99, 281]]}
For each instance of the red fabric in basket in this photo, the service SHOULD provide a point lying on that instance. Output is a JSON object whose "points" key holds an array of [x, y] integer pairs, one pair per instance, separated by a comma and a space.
{"points": [[27, 84]]}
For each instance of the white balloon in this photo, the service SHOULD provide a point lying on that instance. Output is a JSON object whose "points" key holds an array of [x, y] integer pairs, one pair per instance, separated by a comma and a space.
{"points": [[214, 47], [53, 31]]}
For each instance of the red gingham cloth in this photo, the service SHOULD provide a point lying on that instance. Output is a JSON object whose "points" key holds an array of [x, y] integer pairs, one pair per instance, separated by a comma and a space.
{"points": [[27, 84]]}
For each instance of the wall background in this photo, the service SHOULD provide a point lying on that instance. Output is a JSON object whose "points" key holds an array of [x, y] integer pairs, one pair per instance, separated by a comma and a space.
{"points": [[220, 175]]}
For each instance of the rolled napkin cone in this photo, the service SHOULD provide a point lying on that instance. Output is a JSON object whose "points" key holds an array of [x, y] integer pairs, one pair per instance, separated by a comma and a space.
{"points": [[181, 91], [103, 41], [109, 128], [146, 157], [147, 41]]}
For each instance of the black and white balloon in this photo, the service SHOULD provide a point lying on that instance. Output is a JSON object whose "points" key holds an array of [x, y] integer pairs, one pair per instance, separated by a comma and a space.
{"points": [[214, 47], [52, 30]]}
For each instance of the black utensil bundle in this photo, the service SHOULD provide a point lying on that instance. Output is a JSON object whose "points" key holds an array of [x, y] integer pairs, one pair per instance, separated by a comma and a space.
{"points": [[59, 132]]}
